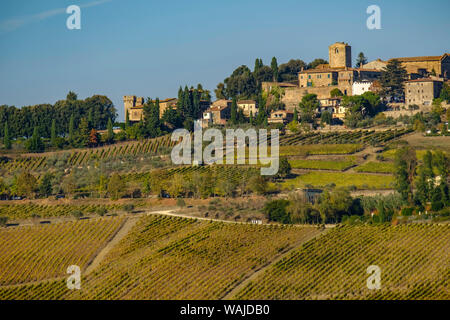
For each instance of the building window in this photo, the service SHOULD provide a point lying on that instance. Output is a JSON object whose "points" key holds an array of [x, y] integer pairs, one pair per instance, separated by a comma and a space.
{"points": [[328, 76], [309, 77]]}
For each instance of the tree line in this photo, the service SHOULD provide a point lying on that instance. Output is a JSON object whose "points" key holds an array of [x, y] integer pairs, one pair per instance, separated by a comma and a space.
{"points": [[21, 122], [244, 83]]}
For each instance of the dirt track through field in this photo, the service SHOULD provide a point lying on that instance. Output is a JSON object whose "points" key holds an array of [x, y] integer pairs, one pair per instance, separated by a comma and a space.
{"points": [[115, 238], [232, 293], [129, 223]]}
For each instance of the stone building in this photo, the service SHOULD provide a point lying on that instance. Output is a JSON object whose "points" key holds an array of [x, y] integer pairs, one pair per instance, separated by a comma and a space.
{"points": [[375, 65], [339, 112], [248, 107], [360, 87], [218, 113], [165, 104], [340, 55], [281, 116], [338, 73], [427, 65], [135, 107], [422, 91]]}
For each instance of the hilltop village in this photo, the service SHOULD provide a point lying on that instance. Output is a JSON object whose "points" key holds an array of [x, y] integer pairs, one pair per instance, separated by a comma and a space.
{"points": [[325, 88]]}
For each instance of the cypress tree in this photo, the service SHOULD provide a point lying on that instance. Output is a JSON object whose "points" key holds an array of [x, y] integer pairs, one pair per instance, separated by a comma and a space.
{"points": [[53, 133], [234, 115], [34, 144], [84, 131], [156, 112], [187, 103], [127, 120], [71, 128], [151, 118], [45, 187], [6, 138], [110, 136], [295, 115], [196, 105], [180, 102], [274, 67], [91, 120], [257, 66]]}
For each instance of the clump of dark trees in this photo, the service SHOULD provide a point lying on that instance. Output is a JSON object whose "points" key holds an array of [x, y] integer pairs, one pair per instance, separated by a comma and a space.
{"points": [[422, 190], [67, 122]]}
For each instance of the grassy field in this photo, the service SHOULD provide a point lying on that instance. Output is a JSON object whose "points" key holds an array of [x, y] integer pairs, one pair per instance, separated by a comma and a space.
{"points": [[390, 154], [319, 149], [376, 167], [340, 179], [40, 252], [419, 141], [414, 263], [338, 165]]}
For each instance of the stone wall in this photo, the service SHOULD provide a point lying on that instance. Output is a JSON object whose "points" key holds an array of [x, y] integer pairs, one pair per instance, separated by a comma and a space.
{"points": [[293, 96]]}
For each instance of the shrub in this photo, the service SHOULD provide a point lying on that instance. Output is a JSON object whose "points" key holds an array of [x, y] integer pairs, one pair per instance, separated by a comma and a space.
{"points": [[128, 207], [77, 213], [437, 205], [3, 221], [181, 203], [276, 211], [407, 212], [102, 211], [351, 220]]}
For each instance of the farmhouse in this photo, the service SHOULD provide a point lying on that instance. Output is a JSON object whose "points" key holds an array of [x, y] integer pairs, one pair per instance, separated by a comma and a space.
{"points": [[248, 107], [281, 116], [218, 113]]}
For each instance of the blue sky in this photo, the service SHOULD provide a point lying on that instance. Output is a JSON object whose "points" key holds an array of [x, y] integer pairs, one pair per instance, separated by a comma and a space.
{"points": [[150, 48]]}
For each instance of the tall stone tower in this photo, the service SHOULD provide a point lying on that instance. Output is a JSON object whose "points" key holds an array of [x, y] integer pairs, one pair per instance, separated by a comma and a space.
{"points": [[129, 102], [340, 55]]}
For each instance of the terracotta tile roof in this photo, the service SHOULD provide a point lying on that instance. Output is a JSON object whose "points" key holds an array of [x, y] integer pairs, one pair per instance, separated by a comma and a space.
{"points": [[216, 108], [323, 66], [168, 99], [328, 70], [282, 111], [246, 102], [425, 80], [322, 70], [422, 58]]}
